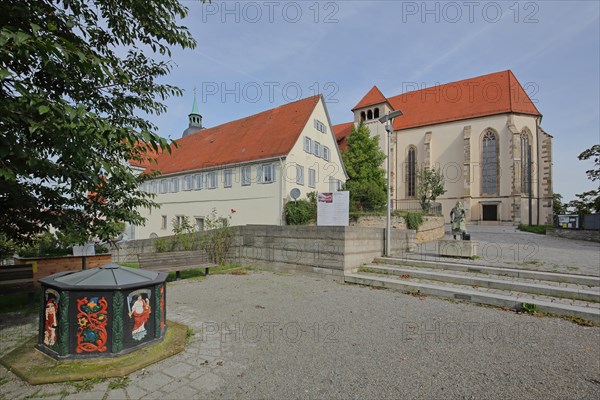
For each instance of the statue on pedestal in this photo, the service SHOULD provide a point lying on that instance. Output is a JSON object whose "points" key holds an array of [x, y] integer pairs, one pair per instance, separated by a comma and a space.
{"points": [[458, 217]]}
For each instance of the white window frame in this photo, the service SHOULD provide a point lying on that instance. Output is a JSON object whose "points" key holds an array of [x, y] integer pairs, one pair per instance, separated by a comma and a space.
{"points": [[317, 149], [228, 178], [312, 178], [320, 126], [211, 180], [267, 171], [326, 153], [197, 182], [164, 222], [164, 186], [308, 145], [174, 185], [187, 183], [246, 175], [199, 225], [299, 174]]}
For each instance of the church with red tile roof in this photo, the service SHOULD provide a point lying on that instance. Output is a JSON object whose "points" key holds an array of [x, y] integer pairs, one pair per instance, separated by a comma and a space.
{"points": [[483, 134]]}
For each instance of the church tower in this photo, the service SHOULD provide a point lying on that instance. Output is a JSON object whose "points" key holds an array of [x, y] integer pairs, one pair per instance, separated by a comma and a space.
{"points": [[195, 119]]}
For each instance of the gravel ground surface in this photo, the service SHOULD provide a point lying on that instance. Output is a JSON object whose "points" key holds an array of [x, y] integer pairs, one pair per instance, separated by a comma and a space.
{"points": [[276, 336], [505, 246]]}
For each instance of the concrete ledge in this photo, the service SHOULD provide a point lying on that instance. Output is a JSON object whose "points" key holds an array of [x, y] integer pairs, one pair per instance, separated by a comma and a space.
{"points": [[519, 286], [585, 280], [474, 296], [457, 248]]}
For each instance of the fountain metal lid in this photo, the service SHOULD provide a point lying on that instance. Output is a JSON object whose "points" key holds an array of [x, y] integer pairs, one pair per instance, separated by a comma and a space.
{"points": [[108, 276]]}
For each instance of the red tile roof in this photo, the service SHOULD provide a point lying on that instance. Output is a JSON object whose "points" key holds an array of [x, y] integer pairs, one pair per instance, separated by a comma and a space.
{"points": [[342, 131], [491, 94], [271, 133], [374, 96]]}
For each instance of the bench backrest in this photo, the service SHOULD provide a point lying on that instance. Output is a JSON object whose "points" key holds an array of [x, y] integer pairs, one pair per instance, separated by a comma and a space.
{"points": [[173, 259], [13, 272]]}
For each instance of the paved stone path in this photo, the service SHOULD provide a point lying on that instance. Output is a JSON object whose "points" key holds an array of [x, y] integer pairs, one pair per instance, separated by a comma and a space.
{"points": [[275, 336], [505, 246]]}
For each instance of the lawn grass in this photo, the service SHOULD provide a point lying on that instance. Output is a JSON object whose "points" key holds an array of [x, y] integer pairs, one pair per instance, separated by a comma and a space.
{"points": [[539, 229], [36, 368]]}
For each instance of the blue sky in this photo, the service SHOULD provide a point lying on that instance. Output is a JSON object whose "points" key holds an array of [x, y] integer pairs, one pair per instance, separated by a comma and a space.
{"points": [[252, 56]]}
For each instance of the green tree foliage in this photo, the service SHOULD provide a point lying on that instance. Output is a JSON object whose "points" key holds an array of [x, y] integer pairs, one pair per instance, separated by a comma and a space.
{"points": [[589, 202], [430, 185], [366, 178], [7, 247], [300, 212], [75, 76], [558, 207]]}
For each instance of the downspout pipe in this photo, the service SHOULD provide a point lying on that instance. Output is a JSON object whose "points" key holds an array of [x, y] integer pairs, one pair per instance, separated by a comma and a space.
{"points": [[281, 219]]}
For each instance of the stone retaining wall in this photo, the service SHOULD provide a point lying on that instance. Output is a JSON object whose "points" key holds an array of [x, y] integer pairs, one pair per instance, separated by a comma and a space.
{"points": [[430, 230], [323, 250], [590, 236]]}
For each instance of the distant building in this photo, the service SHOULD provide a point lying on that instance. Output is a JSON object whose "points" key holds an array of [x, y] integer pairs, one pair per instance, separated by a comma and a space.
{"points": [[249, 165], [477, 131]]}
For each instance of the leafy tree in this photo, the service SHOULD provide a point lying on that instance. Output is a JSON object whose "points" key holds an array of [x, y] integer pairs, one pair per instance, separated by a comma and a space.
{"points": [[589, 202], [558, 207], [7, 247], [366, 177], [430, 185], [75, 76]]}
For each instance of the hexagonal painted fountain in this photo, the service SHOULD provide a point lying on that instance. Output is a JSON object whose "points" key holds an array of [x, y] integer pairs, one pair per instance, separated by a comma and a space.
{"points": [[102, 312]]}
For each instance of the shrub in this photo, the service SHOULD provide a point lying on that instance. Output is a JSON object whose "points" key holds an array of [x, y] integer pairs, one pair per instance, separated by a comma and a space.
{"points": [[218, 238], [45, 244], [101, 249], [299, 212], [162, 245], [413, 220], [539, 229]]}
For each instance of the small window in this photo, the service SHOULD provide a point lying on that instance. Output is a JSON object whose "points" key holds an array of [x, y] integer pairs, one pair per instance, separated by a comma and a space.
{"points": [[199, 224], [363, 116], [164, 186], [267, 173], [307, 144], [187, 182], [312, 177], [198, 182], [227, 178], [175, 185], [246, 176], [212, 180], [370, 114], [154, 187], [326, 153], [376, 113], [178, 220], [299, 175], [163, 224], [320, 126], [317, 149]]}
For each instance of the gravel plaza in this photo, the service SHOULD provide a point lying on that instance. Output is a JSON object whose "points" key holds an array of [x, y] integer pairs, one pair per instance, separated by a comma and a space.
{"points": [[265, 335]]}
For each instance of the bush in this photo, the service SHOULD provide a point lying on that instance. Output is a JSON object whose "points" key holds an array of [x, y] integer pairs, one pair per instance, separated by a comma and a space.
{"points": [[218, 238], [101, 249], [162, 245], [45, 245], [299, 212], [413, 220]]}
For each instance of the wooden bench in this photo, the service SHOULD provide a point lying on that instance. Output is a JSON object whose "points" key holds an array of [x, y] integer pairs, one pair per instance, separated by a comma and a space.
{"points": [[17, 279], [176, 261]]}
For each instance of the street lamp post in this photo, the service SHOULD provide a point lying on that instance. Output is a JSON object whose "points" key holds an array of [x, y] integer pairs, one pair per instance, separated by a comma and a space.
{"points": [[388, 120]]}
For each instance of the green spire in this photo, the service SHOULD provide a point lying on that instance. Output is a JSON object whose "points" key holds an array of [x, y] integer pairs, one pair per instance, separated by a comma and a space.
{"points": [[195, 105]]}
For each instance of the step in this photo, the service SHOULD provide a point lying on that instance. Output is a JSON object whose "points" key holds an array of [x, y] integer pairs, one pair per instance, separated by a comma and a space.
{"points": [[584, 280], [575, 292], [476, 296]]}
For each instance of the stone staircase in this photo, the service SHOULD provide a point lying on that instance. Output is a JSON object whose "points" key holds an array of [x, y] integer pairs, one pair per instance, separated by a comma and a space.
{"points": [[546, 292]]}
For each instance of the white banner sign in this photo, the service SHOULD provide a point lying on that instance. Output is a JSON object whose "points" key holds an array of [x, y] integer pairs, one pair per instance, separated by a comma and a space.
{"points": [[333, 209]]}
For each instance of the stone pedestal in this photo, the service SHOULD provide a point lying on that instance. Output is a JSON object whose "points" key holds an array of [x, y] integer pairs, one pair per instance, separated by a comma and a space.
{"points": [[457, 248]]}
